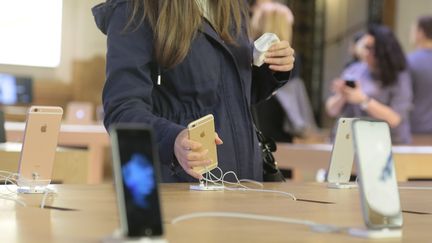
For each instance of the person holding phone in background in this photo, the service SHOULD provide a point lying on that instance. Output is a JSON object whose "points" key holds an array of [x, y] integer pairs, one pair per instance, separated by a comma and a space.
{"points": [[202, 53], [379, 86]]}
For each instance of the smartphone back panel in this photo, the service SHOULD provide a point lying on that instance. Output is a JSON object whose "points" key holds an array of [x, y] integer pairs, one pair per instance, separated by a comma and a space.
{"points": [[342, 156], [203, 131], [136, 173], [40, 142], [378, 186]]}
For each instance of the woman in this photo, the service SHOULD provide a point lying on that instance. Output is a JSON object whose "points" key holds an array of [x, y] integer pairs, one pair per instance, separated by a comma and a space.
{"points": [[382, 84], [202, 53]]}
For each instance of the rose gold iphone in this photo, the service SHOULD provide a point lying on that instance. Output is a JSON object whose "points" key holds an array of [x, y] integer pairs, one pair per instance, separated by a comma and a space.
{"points": [[40, 142], [203, 131]]}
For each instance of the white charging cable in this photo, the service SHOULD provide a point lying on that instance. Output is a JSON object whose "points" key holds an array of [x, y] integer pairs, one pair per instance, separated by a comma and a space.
{"points": [[10, 177], [221, 179], [313, 225], [415, 187], [237, 185], [264, 190], [47, 192]]}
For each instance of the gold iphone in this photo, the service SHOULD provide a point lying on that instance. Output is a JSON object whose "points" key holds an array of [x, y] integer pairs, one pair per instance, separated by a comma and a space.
{"points": [[40, 142], [203, 131]]}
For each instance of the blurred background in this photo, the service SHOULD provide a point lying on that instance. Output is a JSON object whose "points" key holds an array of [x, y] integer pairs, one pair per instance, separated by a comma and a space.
{"points": [[51, 53], [64, 33]]}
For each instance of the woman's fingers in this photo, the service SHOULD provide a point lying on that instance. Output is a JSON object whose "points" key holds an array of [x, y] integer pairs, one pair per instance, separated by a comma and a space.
{"points": [[197, 155], [283, 68], [280, 52], [280, 61], [188, 144], [199, 163], [191, 154], [280, 57], [218, 141], [279, 45]]}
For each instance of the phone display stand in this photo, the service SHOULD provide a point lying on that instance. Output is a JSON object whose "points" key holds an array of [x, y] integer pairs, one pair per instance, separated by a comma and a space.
{"points": [[32, 186], [206, 187], [376, 233], [342, 185], [117, 237]]}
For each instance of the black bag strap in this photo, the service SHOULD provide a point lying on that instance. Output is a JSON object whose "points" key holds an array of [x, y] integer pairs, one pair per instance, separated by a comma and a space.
{"points": [[271, 171]]}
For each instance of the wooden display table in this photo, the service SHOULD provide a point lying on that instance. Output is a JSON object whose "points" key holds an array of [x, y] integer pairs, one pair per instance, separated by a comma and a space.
{"points": [[306, 159], [94, 214]]}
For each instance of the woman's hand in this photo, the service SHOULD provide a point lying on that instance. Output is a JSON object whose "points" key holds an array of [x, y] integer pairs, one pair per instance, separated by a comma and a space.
{"points": [[354, 95], [280, 57], [189, 153], [338, 86], [336, 102]]}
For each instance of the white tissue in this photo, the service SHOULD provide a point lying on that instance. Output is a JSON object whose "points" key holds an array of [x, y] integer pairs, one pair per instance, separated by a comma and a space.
{"points": [[261, 45]]}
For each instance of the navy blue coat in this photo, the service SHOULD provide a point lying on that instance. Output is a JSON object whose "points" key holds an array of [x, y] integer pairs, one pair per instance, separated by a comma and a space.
{"points": [[215, 78]]}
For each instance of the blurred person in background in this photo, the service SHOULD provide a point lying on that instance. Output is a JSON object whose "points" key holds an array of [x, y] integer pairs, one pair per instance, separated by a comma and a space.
{"points": [[382, 84], [420, 66], [353, 50], [287, 114]]}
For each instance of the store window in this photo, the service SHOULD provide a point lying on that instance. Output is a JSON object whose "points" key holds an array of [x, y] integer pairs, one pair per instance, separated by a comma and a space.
{"points": [[30, 32]]}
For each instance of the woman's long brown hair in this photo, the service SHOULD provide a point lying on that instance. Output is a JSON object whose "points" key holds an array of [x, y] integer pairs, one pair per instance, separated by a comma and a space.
{"points": [[175, 23]]}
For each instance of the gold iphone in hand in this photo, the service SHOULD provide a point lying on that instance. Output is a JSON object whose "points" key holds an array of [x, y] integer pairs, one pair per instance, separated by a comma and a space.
{"points": [[203, 131]]}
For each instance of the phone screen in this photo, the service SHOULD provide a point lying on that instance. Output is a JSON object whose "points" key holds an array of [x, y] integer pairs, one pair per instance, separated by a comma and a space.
{"points": [[138, 172], [378, 185], [350, 83]]}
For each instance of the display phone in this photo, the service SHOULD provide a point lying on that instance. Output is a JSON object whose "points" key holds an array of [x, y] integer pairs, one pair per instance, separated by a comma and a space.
{"points": [[378, 186], [136, 174], [39, 144], [350, 83], [342, 156], [203, 131]]}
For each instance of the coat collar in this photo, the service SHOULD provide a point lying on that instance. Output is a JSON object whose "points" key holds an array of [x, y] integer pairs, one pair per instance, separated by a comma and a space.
{"points": [[208, 30]]}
